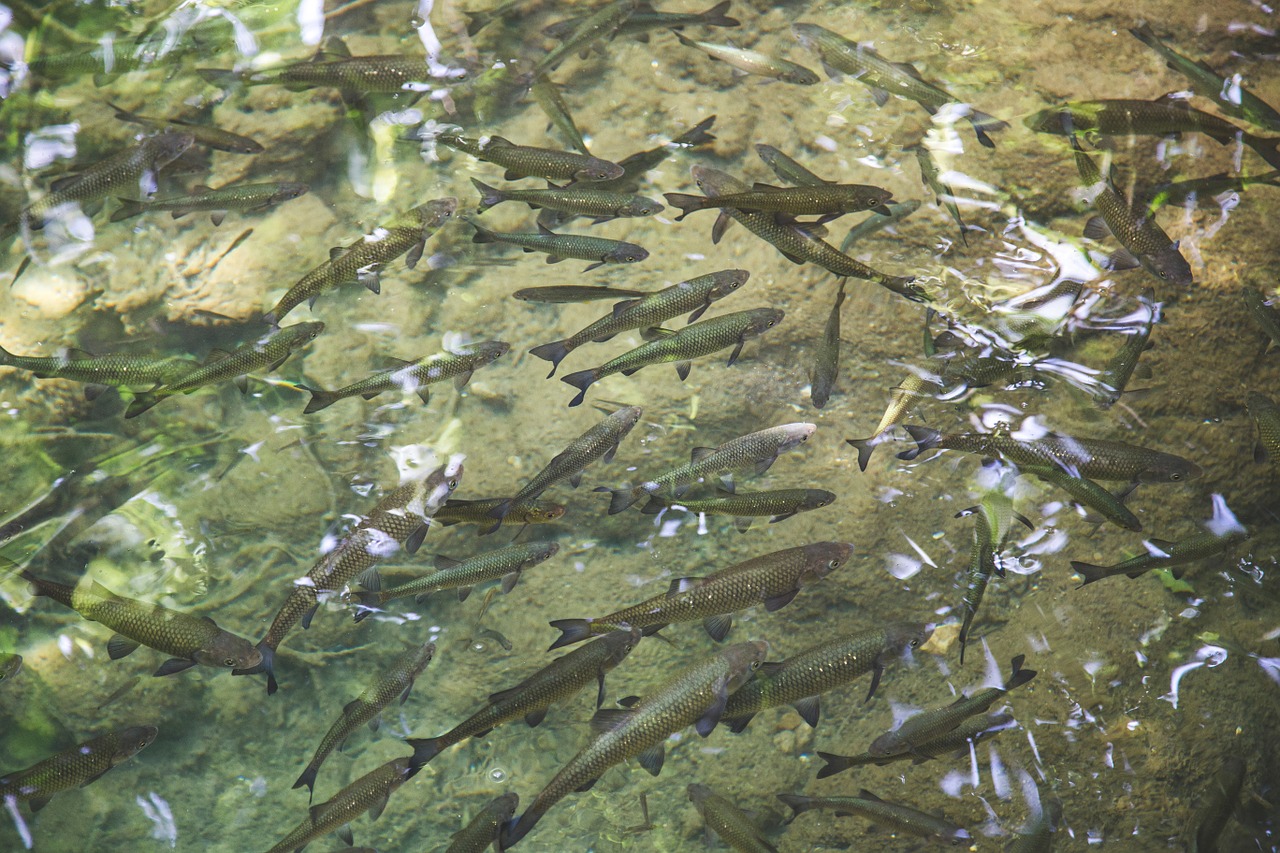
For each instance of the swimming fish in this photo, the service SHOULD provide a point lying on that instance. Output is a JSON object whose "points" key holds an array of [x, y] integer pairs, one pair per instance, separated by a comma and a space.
{"points": [[992, 524], [1263, 313], [600, 205], [569, 293], [385, 74], [971, 731], [826, 362], [646, 18], [416, 376], [1222, 533], [75, 767], [729, 822], [524, 161], [239, 197], [204, 134], [1217, 802], [826, 201], [1114, 378], [547, 96], [745, 507], [1087, 493], [890, 815], [558, 247], [369, 794], [754, 62], [908, 393], [787, 169], [482, 831], [458, 511], [592, 28], [1266, 415], [100, 372]]}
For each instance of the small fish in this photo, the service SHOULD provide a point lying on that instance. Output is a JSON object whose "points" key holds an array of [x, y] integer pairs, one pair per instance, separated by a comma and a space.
{"points": [[1263, 313], [693, 341], [729, 822], [943, 194], [1095, 458], [1223, 533], [1217, 802], [754, 62], [1206, 193], [110, 58], [595, 27], [104, 371], [204, 134], [654, 309], [241, 197], [745, 507], [369, 794], [826, 201], [415, 376], [75, 767], [636, 166], [600, 205], [646, 18], [364, 260], [1087, 493], [189, 639], [1266, 414], [841, 57], [897, 211], [560, 294], [386, 74], [482, 831], [992, 524], [800, 680], [787, 169], [505, 565], [933, 724], [456, 511], [971, 731], [1114, 378], [908, 393], [826, 362], [525, 161], [10, 664], [888, 815], [266, 353], [772, 580], [558, 681], [695, 696], [548, 98], [558, 247]]}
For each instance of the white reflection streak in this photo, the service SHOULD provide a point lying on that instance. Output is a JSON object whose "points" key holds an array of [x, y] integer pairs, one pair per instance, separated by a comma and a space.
{"points": [[999, 776], [311, 21], [11, 803], [923, 556], [1205, 655], [158, 812], [975, 774]]}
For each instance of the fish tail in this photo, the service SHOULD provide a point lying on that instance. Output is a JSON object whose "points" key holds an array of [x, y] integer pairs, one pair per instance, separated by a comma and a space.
{"points": [[482, 235], [6, 357], [716, 16], [623, 498], [653, 506], [1272, 178], [320, 399], [553, 352], [365, 601], [268, 665], [424, 749], [835, 764], [220, 77], [798, 804], [964, 630], [1089, 572], [686, 202], [141, 403], [865, 448], [984, 124], [60, 593], [308, 778], [128, 207], [924, 437], [489, 196], [272, 318], [1267, 149], [582, 380], [571, 631], [517, 828], [1019, 676], [697, 135]]}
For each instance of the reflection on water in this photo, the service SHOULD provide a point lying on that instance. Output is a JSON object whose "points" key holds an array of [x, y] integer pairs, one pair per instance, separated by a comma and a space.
{"points": [[1037, 369]]}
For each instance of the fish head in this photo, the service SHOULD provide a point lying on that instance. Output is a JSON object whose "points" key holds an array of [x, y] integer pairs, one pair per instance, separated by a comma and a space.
{"points": [[808, 35], [620, 643], [1170, 267], [545, 512], [727, 282], [823, 558], [489, 351], [698, 794], [627, 253], [877, 202], [761, 320], [131, 741], [641, 206], [743, 660], [900, 637], [504, 808], [713, 182], [289, 190], [799, 77], [1171, 469], [167, 147], [598, 170], [435, 213], [815, 498], [229, 652], [305, 333], [794, 435]]}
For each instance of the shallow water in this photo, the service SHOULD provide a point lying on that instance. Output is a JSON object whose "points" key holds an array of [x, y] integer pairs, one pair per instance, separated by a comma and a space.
{"points": [[1144, 687]]}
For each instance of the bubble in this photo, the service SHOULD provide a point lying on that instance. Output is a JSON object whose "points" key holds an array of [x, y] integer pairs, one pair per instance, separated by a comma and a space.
{"points": [[497, 774]]}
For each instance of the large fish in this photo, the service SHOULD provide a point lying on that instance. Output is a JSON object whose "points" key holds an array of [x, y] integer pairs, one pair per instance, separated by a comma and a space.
{"points": [[600, 205], [415, 376], [558, 247], [744, 507], [637, 165], [1223, 533], [480, 511], [970, 731], [482, 831], [190, 640], [395, 682], [772, 580], [525, 161], [734, 826], [559, 294], [826, 362], [889, 815], [75, 767], [696, 696], [369, 794], [99, 372], [1263, 313], [239, 197], [826, 201]]}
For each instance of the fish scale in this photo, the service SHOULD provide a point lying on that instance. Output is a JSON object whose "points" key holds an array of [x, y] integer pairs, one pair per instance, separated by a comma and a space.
{"points": [[369, 793], [1266, 414], [888, 815], [726, 820], [242, 197], [781, 504], [457, 511], [75, 767], [824, 200], [602, 205], [968, 732], [129, 371], [558, 247], [479, 834], [526, 161]]}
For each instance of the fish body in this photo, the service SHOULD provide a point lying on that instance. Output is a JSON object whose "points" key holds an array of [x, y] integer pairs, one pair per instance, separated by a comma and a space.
{"points": [[754, 62], [841, 57], [1264, 314], [635, 166], [772, 580], [594, 27], [992, 524], [204, 134], [373, 74], [75, 767], [826, 363], [10, 665], [416, 376], [730, 823], [457, 511], [896, 212], [1094, 458], [116, 370], [266, 353], [395, 682], [646, 18], [1087, 493], [1266, 414], [801, 679], [1206, 192], [787, 169], [902, 398], [482, 831], [943, 194], [560, 294], [1217, 803], [654, 309], [695, 696], [1163, 554], [548, 98], [189, 639], [826, 200], [369, 793], [558, 681], [693, 341], [970, 731], [241, 197], [364, 260], [558, 247], [744, 507], [600, 205], [525, 161], [899, 817], [1115, 376]]}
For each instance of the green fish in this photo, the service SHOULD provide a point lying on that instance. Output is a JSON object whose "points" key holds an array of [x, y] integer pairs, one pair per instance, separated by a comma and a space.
{"points": [[189, 639], [745, 507], [525, 161], [896, 212], [943, 194], [1087, 493], [558, 247], [456, 511], [1206, 192], [1263, 313], [397, 681], [241, 197], [596, 27], [841, 57], [561, 294], [799, 681], [992, 524], [653, 309], [204, 134], [100, 372], [971, 731], [548, 98], [826, 201], [558, 681], [364, 260], [1217, 803], [636, 166], [754, 62], [266, 353], [10, 665], [787, 169], [1266, 414], [600, 205], [369, 794], [415, 376], [108, 59], [75, 767], [693, 341], [1114, 378], [902, 398], [826, 363], [729, 822], [482, 831], [646, 18], [889, 815], [696, 696], [772, 580], [386, 74]]}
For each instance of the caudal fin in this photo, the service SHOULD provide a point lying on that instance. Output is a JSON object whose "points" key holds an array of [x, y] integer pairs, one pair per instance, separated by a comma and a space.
{"points": [[128, 207], [839, 763], [1019, 676], [984, 124], [489, 196], [1090, 572], [365, 602], [553, 352], [141, 403], [267, 665], [621, 499], [686, 202], [866, 446], [571, 631], [924, 437], [717, 16], [308, 778], [1267, 149], [424, 749], [320, 399], [798, 805], [582, 380]]}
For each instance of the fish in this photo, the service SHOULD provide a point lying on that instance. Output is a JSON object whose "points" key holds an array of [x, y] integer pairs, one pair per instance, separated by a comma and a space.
{"points": [[109, 59], [1223, 533], [75, 767], [756, 451], [558, 681], [10, 665], [745, 507], [754, 62], [841, 57], [592, 28], [396, 681], [773, 580], [895, 212], [457, 511], [599, 442], [693, 341], [694, 295], [889, 815], [971, 731], [364, 260], [188, 639], [787, 169], [1206, 192], [266, 353], [1039, 835], [943, 194], [525, 161], [369, 794], [558, 247], [483, 829], [570, 293], [795, 245], [239, 197], [504, 564], [1114, 378], [398, 520], [992, 524], [1266, 414], [800, 680], [1095, 458], [637, 165], [1217, 802], [826, 363], [1263, 313], [385, 74], [730, 823], [933, 724], [600, 205], [1087, 493], [646, 18], [902, 398], [695, 696], [415, 376], [100, 372], [1227, 95], [548, 98], [826, 201], [205, 135]]}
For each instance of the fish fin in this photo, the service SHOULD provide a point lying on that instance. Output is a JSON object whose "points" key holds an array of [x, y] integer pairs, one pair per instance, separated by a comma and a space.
{"points": [[738, 725], [1089, 572], [415, 252], [600, 689], [686, 202], [553, 352], [683, 368], [867, 795], [242, 383], [173, 665], [717, 627], [463, 592], [876, 672], [370, 579], [460, 381], [414, 540], [93, 391], [320, 399], [1122, 259], [707, 722], [1163, 544], [586, 786], [608, 719], [371, 279], [795, 259], [812, 230], [141, 403], [880, 96], [743, 523], [509, 581], [737, 351], [1018, 676], [424, 394], [128, 207], [777, 602], [621, 499], [308, 778], [344, 831], [808, 710], [587, 268], [727, 484], [1096, 228], [924, 437], [571, 631], [865, 449], [762, 465], [305, 621], [121, 646], [441, 562], [834, 764], [37, 803], [680, 585], [375, 722], [216, 217], [722, 223], [652, 759], [699, 453], [782, 517]]}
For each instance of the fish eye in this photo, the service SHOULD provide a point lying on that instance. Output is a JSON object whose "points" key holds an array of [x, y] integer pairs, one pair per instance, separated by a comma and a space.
{"points": [[1175, 477], [755, 664], [834, 564], [1163, 274], [773, 323], [453, 484]]}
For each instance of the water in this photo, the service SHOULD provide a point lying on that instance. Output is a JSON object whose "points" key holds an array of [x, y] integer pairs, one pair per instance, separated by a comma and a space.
{"points": [[215, 502]]}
